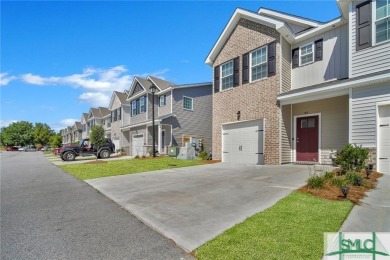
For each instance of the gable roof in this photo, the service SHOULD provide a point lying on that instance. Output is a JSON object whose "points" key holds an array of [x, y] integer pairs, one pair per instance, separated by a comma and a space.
{"points": [[281, 22], [77, 125], [85, 117], [121, 97], [94, 112], [104, 111], [160, 83]]}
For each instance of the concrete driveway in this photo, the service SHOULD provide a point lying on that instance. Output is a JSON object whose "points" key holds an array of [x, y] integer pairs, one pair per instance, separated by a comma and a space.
{"points": [[194, 204]]}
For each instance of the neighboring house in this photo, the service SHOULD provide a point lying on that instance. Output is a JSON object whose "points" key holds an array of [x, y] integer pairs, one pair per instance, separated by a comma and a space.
{"points": [[182, 116], [96, 117], [84, 125], [117, 105], [76, 132], [67, 135], [290, 89]]}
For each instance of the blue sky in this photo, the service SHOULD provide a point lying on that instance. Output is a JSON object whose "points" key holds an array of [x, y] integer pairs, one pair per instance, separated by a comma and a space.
{"points": [[60, 58]]}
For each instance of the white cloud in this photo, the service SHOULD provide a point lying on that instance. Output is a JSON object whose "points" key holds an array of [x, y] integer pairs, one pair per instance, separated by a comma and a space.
{"points": [[68, 121], [5, 123], [96, 98], [5, 79], [62, 124], [98, 83]]}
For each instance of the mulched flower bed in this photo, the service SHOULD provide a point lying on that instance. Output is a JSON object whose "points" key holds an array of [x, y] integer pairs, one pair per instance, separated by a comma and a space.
{"points": [[355, 194]]}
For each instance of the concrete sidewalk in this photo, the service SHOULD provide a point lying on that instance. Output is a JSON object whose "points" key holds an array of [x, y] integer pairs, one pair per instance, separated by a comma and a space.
{"points": [[192, 205], [373, 215]]}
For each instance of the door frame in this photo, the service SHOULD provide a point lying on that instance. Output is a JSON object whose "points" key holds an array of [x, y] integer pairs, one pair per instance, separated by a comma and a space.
{"points": [[319, 135], [377, 107]]}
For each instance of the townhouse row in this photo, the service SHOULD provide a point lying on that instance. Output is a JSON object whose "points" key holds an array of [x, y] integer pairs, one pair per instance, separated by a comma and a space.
{"points": [[286, 89], [182, 116]]}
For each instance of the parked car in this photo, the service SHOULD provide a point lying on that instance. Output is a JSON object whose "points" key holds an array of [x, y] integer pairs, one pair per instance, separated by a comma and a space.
{"points": [[30, 148], [11, 148], [46, 148], [22, 149], [86, 148]]}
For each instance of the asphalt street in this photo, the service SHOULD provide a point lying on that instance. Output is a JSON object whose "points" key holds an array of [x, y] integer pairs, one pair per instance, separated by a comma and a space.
{"points": [[48, 214]]}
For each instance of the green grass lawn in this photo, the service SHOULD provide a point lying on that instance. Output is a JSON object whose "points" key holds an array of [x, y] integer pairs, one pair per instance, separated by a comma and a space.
{"points": [[119, 167], [292, 229]]}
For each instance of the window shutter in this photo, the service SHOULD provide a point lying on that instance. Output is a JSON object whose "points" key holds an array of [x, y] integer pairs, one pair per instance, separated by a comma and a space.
{"points": [[245, 68], [295, 58], [236, 72], [318, 48], [271, 59], [363, 25], [216, 79]]}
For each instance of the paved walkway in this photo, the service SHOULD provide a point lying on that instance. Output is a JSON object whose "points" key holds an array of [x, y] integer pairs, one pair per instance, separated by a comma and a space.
{"points": [[194, 204], [374, 212]]}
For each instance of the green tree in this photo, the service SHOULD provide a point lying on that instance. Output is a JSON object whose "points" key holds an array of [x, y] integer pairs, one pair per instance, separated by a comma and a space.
{"points": [[97, 137], [17, 133], [42, 134], [56, 140]]}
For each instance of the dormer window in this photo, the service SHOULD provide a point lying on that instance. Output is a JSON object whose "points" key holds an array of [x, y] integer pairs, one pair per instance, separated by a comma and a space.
{"points": [[306, 54], [382, 23]]}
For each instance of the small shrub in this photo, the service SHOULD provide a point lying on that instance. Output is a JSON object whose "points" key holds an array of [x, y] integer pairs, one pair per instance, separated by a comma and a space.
{"points": [[316, 182], [121, 151], [328, 175], [204, 155], [351, 178], [136, 157], [150, 151], [143, 156], [337, 181], [352, 158]]}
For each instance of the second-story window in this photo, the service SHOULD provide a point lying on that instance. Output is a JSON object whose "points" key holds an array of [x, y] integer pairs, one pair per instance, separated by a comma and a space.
{"points": [[259, 63], [227, 75], [382, 23], [306, 54], [162, 101], [119, 113], [188, 103], [133, 108], [142, 104], [138, 106]]}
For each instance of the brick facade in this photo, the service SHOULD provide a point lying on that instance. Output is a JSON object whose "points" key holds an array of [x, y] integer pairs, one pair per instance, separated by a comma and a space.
{"points": [[254, 100]]}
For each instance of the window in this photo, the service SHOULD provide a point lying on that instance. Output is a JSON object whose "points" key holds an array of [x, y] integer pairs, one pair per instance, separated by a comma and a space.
{"points": [[119, 113], [306, 54], [382, 23], [115, 115], [227, 75], [162, 101], [138, 106], [187, 103], [259, 63]]}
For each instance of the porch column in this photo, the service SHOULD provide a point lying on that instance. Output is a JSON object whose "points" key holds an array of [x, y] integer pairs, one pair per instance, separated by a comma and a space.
{"points": [[159, 134]]}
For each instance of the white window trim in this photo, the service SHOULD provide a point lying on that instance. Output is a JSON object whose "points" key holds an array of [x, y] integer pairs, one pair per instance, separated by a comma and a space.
{"points": [[192, 103], [300, 53], [373, 25], [250, 63], [220, 75], [132, 109], [164, 99]]}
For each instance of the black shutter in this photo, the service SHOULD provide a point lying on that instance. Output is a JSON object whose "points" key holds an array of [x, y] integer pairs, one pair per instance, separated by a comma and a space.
{"points": [[318, 47], [245, 68], [363, 25], [271, 59], [295, 58], [216, 79], [236, 73]]}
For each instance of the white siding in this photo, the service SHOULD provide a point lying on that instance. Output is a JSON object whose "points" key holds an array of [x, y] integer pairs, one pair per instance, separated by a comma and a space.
{"points": [[369, 60], [363, 129], [334, 64]]}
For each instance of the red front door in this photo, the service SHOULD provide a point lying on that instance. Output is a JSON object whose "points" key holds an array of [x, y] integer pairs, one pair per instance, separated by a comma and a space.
{"points": [[307, 139]]}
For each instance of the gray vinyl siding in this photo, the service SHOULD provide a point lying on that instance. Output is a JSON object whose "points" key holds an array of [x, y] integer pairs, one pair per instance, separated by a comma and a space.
{"points": [[369, 60], [126, 115], [286, 134], [364, 113], [164, 110], [197, 122], [286, 65], [334, 63]]}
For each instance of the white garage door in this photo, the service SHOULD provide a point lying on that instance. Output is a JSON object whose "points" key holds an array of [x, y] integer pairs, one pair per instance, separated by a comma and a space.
{"points": [[384, 139], [243, 142], [117, 144], [138, 145]]}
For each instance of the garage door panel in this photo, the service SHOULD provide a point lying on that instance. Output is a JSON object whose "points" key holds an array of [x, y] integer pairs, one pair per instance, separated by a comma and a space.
{"points": [[243, 142], [138, 145]]}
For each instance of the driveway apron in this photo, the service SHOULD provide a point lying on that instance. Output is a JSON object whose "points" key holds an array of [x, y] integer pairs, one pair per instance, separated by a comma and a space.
{"points": [[194, 204]]}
